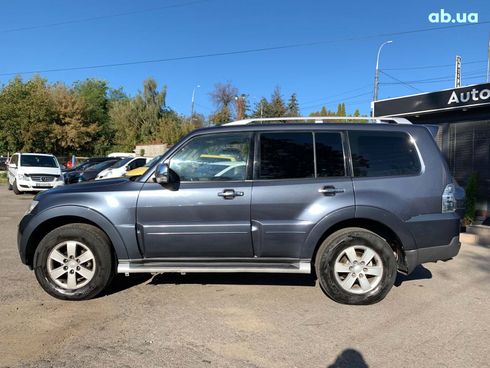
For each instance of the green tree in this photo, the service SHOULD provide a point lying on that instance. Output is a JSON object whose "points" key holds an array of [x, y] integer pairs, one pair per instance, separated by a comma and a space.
{"points": [[95, 96], [26, 113], [149, 106], [341, 109], [260, 108], [323, 112], [137, 120], [71, 131], [293, 106], [276, 107], [221, 116], [124, 122]]}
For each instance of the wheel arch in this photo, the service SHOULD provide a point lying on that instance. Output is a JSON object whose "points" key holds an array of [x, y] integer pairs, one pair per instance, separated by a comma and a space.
{"points": [[63, 216], [389, 228]]}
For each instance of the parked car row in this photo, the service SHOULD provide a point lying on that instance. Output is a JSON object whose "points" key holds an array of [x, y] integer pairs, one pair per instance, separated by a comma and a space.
{"points": [[34, 172]]}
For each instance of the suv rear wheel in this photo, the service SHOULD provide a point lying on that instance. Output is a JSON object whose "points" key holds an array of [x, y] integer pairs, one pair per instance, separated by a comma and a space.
{"points": [[74, 262], [356, 266]]}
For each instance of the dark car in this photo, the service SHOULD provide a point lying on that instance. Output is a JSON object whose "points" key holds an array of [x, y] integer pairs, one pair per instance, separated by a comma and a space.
{"points": [[352, 203], [3, 163], [71, 175], [91, 172]]}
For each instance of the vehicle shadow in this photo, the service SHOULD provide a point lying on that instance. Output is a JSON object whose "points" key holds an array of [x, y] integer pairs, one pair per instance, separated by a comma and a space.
{"points": [[121, 282], [349, 358], [234, 279], [419, 273]]}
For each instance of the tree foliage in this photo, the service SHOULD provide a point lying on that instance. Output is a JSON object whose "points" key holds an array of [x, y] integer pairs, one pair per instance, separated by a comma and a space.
{"points": [[89, 117]]}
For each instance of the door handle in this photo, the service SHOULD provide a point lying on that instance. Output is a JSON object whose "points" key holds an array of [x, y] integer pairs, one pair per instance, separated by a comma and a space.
{"points": [[230, 194], [330, 190]]}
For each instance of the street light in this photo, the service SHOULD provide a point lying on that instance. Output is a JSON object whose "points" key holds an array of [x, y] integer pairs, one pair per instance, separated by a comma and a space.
{"points": [[193, 98], [376, 75]]}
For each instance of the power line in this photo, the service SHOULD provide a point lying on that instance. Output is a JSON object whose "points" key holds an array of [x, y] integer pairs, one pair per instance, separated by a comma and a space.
{"points": [[91, 19], [402, 82], [436, 81], [238, 52], [335, 101], [474, 73], [337, 94], [435, 66]]}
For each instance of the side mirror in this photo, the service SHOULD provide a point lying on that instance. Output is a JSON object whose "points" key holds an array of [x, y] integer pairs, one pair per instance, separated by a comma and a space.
{"points": [[166, 177], [162, 174], [12, 165]]}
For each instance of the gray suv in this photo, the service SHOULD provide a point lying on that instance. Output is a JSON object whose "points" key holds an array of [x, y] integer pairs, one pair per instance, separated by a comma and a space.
{"points": [[351, 203]]}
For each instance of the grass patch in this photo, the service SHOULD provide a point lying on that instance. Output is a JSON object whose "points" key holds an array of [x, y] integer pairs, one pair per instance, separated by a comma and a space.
{"points": [[3, 177]]}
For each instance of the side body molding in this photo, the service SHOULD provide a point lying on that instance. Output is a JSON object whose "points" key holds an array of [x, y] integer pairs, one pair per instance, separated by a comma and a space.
{"points": [[121, 247]]}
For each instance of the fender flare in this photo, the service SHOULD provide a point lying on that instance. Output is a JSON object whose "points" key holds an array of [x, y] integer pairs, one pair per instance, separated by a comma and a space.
{"points": [[379, 215], [75, 211], [322, 226]]}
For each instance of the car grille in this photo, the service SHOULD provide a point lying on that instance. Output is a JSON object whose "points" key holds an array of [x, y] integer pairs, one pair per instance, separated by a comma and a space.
{"points": [[43, 178]]}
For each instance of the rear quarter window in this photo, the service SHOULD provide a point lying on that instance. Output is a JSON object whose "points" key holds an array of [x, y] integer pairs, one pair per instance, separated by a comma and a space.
{"points": [[383, 154]]}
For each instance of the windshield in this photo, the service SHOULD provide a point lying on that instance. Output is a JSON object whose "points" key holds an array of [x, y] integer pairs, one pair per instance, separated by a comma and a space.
{"points": [[38, 161], [101, 165], [85, 165], [122, 162], [153, 160]]}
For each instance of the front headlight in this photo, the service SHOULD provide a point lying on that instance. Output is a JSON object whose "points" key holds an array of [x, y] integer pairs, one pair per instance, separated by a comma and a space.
{"points": [[31, 207], [23, 177]]}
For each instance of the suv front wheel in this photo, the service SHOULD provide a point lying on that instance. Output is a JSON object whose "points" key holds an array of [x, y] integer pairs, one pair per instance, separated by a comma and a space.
{"points": [[356, 266], [74, 262]]}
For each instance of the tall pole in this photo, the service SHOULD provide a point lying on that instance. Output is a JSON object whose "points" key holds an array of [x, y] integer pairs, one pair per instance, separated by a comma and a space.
{"points": [[193, 99], [376, 75], [488, 57]]}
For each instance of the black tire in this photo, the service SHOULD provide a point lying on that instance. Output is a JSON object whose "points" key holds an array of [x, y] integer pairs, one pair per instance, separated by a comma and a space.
{"points": [[334, 246], [96, 241], [16, 188]]}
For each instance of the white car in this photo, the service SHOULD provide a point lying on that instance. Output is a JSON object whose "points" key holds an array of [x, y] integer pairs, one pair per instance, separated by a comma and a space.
{"points": [[121, 167], [33, 172]]}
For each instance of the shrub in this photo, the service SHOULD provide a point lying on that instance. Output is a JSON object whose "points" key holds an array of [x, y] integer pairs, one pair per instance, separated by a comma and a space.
{"points": [[470, 200]]}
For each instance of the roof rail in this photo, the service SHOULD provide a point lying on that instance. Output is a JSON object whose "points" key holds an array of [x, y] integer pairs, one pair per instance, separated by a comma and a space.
{"points": [[321, 120]]}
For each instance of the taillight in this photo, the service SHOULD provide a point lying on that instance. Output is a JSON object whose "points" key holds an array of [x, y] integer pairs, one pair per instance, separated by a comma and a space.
{"points": [[448, 199]]}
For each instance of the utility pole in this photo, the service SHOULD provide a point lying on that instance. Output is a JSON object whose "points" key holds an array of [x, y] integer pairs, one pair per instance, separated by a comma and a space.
{"points": [[457, 72], [488, 57], [376, 74], [192, 101]]}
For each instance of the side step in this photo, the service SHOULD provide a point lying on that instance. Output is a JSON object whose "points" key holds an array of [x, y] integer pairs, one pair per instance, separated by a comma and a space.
{"points": [[138, 266]]}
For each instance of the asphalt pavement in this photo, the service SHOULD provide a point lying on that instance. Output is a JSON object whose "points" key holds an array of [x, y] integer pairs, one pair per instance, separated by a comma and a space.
{"points": [[439, 316]]}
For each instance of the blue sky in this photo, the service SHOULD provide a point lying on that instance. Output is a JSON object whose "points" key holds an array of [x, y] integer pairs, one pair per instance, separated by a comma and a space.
{"points": [[322, 74]]}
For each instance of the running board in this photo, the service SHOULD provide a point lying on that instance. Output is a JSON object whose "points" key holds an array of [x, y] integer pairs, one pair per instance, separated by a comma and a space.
{"points": [[127, 267]]}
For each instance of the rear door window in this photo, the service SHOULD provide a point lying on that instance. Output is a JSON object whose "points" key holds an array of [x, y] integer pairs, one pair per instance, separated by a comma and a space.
{"points": [[287, 155], [329, 155], [383, 154]]}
